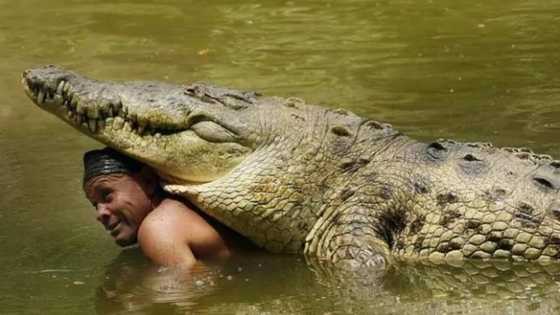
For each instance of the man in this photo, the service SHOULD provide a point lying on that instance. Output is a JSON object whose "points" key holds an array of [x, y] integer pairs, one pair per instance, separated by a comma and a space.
{"points": [[133, 208]]}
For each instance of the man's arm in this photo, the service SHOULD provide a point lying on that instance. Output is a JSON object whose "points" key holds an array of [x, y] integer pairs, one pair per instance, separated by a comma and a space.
{"points": [[162, 239], [174, 235]]}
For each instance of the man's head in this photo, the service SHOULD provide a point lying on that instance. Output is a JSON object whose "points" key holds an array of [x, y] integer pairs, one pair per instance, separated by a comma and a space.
{"points": [[122, 190]]}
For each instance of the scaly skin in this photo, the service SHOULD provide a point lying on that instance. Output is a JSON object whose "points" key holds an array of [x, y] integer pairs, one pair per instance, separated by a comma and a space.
{"points": [[300, 178]]}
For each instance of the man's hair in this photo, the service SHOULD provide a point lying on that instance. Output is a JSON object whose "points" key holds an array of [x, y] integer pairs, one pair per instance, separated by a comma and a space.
{"points": [[108, 161]]}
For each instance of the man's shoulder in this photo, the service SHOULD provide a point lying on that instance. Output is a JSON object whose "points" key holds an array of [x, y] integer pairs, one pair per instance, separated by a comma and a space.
{"points": [[165, 219], [163, 235], [172, 204]]}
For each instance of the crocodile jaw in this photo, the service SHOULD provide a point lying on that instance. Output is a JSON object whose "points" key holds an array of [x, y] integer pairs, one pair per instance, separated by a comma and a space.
{"points": [[148, 121]]}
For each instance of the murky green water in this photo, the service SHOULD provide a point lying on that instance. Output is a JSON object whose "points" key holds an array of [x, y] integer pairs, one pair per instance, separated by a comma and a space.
{"points": [[482, 71]]}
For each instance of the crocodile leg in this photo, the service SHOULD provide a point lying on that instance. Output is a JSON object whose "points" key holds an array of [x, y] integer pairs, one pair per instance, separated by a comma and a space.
{"points": [[350, 241]]}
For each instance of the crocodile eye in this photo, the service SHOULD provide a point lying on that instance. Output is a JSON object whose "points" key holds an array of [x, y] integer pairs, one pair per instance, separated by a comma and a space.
{"points": [[544, 182], [213, 132], [436, 151]]}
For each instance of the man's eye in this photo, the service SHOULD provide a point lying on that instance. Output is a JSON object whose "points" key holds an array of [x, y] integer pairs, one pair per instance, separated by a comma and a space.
{"points": [[107, 196]]}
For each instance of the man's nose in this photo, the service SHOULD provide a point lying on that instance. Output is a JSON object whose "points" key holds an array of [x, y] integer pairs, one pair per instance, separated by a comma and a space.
{"points": [[103, 213]]}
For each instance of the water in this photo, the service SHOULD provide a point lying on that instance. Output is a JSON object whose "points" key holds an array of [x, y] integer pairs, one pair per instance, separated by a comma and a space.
{"points": [[484, 71]]}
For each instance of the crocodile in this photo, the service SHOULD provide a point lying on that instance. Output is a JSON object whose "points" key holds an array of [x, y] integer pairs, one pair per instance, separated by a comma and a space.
{"points": [[300, 178]]}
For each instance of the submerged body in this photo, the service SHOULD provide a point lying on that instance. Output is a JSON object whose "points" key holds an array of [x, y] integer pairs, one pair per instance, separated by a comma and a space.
{"points": [[299, 178]]}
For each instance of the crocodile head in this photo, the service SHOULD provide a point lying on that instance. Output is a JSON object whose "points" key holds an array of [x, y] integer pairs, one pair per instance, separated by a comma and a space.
{"points": [[260, 165], [190, 134]]}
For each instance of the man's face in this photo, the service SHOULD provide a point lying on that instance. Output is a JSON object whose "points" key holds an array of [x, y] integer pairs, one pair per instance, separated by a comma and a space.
{"points": [[121, 202]]}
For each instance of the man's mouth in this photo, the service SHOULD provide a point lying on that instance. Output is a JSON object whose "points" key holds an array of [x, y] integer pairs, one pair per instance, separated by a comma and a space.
{"points": [[114, 228]]}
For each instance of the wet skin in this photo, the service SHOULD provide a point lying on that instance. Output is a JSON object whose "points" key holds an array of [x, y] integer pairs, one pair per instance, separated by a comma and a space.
{"points": [[121, 203], [134, 210]]}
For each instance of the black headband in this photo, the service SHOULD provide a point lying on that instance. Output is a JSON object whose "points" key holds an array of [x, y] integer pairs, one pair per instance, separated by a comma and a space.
{"points": [[107, 161]]}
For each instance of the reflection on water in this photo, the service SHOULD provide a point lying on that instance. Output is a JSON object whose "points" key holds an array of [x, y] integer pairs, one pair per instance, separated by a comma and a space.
{"points": [[244, 283], [131, 284], [483, 71], [288, 285]]}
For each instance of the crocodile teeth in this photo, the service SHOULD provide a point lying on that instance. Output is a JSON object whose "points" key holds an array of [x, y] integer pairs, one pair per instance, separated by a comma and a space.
{"points": [[109, 122], [74, 101], [41, 97], [57, 99], [118, 123], [127, 127], [124, 112], [92, 125], [98, 117], [141, 127], [66, 87], [80, 108], [60, 87], [93, 112]]}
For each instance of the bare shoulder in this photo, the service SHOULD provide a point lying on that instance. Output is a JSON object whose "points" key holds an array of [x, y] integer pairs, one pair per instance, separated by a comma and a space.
{"points": [[162, 235], [173, 221], [168, 214]]}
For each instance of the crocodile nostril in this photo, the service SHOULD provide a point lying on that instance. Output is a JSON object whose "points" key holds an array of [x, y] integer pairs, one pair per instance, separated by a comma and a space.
{"points": [[544, 182], [471, 158]]}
